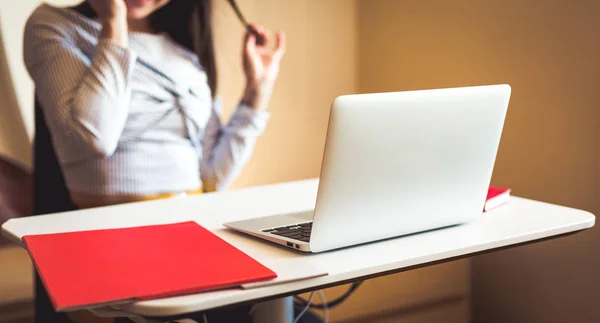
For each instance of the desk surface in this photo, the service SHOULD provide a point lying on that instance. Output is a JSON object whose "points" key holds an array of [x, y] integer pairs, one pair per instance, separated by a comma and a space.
{"points": [[520, 221]]}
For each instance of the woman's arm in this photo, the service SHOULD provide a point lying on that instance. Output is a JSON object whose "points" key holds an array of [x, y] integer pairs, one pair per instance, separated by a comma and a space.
{"points": [[227, 148], [85, 100]]}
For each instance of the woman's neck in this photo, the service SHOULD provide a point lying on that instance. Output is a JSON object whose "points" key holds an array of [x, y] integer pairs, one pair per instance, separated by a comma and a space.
{"points": [[140, 26]]}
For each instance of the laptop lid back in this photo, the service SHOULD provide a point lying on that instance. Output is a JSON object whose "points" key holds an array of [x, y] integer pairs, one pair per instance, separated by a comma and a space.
{"points": [[404, 162]]}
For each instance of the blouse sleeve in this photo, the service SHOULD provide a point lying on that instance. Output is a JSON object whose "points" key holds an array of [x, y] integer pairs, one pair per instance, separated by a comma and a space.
{"points": [[85, 100], [228, 147]]}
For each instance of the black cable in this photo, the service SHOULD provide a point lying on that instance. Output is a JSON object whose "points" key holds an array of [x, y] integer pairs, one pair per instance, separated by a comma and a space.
{"points": [[333, 303]]}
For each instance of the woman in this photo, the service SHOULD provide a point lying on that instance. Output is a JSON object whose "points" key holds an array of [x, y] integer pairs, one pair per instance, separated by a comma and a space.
{"points": [[128, 90], [129, 95]]}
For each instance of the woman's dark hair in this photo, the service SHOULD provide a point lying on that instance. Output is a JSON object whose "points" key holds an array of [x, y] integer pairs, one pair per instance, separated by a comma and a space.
{"points": [[189, 23]]}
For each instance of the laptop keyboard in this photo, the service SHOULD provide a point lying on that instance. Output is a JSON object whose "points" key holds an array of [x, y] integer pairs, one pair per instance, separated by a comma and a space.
{"points": [[297, 231]]}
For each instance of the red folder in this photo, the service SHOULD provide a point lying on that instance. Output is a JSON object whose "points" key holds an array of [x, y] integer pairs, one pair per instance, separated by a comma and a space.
{"points": [[496, 196], [100, 267]]}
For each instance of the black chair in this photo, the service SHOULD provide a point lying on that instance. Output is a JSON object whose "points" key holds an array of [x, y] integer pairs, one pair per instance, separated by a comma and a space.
{"points": [[50, 195]]}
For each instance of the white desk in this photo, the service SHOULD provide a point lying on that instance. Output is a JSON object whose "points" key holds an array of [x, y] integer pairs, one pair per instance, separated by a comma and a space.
{"points": [[520, 221]]}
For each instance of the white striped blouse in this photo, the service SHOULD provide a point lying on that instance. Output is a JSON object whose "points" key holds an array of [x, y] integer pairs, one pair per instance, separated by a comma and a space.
{"points": [[134, 120]]}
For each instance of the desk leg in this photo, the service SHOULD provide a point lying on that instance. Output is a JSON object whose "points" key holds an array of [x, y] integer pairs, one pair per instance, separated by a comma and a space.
{"points": [[276, 311]]}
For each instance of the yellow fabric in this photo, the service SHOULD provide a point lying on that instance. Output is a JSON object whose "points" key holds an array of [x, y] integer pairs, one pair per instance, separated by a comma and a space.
{"points": [[170, 195], [86, 201]]}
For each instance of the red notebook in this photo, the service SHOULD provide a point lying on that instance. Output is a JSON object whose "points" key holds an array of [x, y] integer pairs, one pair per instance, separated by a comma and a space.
{"points": [[496, 196], [99, 267]]}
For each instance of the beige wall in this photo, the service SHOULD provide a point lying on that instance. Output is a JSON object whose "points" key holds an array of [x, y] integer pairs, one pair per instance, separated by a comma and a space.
{"points": [[320, 63], [549, 51], [14, 141], [16, 88]]}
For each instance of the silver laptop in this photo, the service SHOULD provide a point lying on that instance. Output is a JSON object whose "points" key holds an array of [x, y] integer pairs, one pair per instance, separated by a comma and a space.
{"points": [[395, 164]]}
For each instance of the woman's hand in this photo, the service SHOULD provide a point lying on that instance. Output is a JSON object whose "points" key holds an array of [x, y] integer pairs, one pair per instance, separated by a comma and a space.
{"points": [[109, 9], [113, 15], [261, 66]]}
